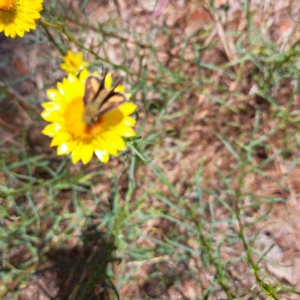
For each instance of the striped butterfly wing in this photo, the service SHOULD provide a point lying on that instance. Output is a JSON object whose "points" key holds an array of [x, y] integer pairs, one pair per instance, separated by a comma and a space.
{"points": [[112, 101], [93, 86]]}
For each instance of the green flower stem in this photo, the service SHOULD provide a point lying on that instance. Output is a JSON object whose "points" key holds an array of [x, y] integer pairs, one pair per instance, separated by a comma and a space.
{"points": [[45, 26], [266, 288], [62, 29]]}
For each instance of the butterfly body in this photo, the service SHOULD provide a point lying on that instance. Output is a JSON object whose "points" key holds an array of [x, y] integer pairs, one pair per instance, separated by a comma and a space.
{"points": [[98, 100]]}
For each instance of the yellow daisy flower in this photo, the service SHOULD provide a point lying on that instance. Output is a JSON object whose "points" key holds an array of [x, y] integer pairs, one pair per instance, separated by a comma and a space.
{"points": [[18, 16], [73, 63], [72, 135]]}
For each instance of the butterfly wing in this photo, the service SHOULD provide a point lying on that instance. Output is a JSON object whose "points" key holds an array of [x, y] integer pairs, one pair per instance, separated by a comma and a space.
{"points": [[93, 86], [111, 102]]}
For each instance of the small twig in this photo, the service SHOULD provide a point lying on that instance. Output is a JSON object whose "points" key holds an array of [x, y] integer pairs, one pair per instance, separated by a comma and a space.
{"points": [[11, 140], [159, 8], [21, 100], [227, 43], [7, 126]]}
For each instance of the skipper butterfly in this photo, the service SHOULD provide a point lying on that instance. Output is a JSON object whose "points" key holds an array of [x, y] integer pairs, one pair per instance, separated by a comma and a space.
{"points": [[98, 100]]}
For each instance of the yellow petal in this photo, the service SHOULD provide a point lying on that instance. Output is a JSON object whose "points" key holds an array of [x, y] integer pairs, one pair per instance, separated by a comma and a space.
{"points": [[54, 95], [76, 154], [108, 81], [84, 64], [79, 56], [83, 75], [127, 108], [127, 121], [51, 129], [60, 138], [110, 149], [101, 143], [119, 143], [69, 54], [51, 106], [115, 141], [63, 149], [124, 131], [61, 88], [72, 144], [102, 155], [87, 153], [72, 78], [120, 89], [97, 143], [52, 116], [64, 67]]}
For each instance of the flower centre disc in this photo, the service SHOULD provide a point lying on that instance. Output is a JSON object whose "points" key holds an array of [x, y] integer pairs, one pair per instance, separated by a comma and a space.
{"points": [[8, 5], [74, 122]]}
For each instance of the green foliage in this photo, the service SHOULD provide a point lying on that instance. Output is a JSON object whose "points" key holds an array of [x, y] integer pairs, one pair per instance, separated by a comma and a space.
{"points": [[96, 227]]}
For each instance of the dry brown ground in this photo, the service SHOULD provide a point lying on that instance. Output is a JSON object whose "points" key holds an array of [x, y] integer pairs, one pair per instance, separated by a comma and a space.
{"points": [[277, 20]]}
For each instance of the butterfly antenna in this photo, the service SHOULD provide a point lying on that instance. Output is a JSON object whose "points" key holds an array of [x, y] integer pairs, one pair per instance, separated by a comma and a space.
{"points": [[104, 72], [118, 81], [112, 91]]}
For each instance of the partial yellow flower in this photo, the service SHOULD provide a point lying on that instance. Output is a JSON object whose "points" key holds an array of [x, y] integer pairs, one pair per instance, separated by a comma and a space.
{"points": [[19, 16], [73, 63], [72, 135]]}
